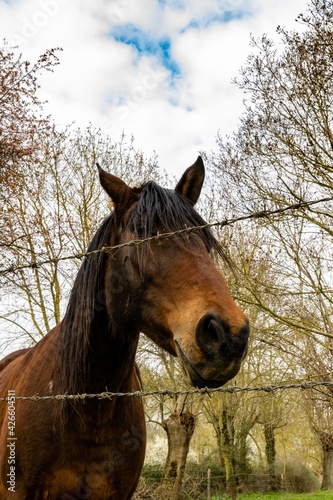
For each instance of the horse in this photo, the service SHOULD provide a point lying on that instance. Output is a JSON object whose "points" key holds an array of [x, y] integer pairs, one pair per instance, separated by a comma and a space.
{"points": [[169, 288]]}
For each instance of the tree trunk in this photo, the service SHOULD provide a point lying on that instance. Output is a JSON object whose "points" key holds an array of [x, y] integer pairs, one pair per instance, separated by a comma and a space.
{"points": [[231, 489], [270, 455], [225, 441], [228, 454], [179, 428], [242, 465], [327, 446]]}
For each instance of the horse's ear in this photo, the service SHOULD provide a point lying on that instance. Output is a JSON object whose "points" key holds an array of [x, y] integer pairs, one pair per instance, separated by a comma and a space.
{"points": [[119, 192], [192, 180]]}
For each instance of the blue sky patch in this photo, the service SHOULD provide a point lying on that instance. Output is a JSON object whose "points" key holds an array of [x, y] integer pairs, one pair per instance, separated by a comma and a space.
{"points": [[214, 18], [145, 44]]}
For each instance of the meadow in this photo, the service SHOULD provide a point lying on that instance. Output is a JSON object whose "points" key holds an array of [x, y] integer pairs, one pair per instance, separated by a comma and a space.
{"points": [[319, 495]]}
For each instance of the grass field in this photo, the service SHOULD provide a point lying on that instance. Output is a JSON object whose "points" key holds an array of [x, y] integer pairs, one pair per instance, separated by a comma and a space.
{"points": [[319, 495]]}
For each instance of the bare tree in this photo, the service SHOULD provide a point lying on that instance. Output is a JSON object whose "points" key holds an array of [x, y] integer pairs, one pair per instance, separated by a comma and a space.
{"points": [[23, 127]]}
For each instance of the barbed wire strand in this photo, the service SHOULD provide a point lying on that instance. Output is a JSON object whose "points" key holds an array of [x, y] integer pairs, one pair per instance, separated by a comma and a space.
{"points": [[168, 392], [263, 214]]}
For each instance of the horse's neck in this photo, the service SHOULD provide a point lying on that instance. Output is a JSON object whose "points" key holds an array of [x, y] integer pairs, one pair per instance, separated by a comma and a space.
{"points": [[111, 355], [104, 360]]}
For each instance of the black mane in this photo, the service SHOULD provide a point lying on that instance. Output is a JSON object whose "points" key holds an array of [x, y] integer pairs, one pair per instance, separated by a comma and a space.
{"points": [[87, 297]]}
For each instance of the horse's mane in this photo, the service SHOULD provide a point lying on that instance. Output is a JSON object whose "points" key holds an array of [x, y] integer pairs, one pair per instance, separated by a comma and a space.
{"points": [[168, 211], [157, 208], [85, 299]]}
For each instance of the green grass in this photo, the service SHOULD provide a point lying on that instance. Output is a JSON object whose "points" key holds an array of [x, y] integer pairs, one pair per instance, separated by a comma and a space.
{"points": [[319, 495]]}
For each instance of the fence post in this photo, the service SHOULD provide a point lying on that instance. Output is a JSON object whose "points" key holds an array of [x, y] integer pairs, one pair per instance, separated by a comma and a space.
{"points": [[208, 485]]}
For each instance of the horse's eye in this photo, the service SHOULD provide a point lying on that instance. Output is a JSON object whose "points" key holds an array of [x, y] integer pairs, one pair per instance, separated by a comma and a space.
{"points": [[141, 231]]}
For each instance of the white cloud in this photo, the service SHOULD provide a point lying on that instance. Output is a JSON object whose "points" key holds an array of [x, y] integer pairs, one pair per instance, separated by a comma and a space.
{"points": [[110, 84]]}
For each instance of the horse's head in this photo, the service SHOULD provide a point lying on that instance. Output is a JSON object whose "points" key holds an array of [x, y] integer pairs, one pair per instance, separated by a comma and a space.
{"points": [[169, 288]]}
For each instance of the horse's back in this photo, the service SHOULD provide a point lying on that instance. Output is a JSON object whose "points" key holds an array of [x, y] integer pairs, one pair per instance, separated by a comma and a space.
{"points": [[20, 369], [13, 355], [10, 369]]}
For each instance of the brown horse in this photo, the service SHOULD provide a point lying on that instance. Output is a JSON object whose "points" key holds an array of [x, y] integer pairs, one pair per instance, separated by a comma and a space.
{"points": [[169, 289]]}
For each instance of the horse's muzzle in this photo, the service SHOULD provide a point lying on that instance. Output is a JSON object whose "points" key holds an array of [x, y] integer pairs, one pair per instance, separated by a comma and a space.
{"points": [[222, 352]]}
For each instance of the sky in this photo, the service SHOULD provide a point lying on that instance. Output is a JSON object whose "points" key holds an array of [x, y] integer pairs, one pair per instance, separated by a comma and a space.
{"points": [[160, 70]]}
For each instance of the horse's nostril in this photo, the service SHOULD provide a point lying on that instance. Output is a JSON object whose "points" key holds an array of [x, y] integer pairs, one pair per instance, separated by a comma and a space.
{"points": [[216, 331], [210, 334], [214, 338]]}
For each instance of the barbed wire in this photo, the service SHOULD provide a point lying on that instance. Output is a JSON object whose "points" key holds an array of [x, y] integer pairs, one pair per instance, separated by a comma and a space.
{"points": [[263, 214], [168, 392]]}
